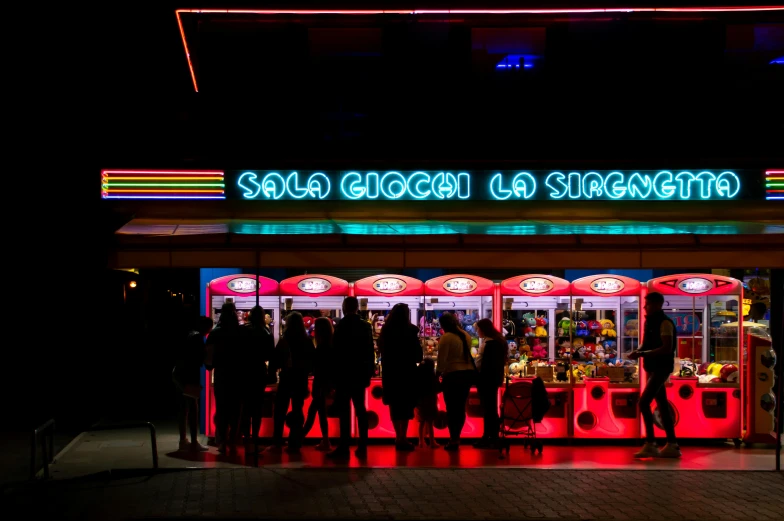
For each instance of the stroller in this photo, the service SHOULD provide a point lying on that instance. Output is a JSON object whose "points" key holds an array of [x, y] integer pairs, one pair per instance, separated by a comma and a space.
{"points": [[523, 405]]}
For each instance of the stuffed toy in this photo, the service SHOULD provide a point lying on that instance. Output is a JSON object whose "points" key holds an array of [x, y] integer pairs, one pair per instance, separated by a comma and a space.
{"points": [[561, 374], [688, 368], [577, 344], [524, 347], [729, 373], [610, 348], [703, 369], [594, 327], [514, 368], [378, 323], [582, 328], [714, 369], [565, 327], [540, 330], [709, 379], [608, 328], [599, 352], [538, 350], [529, 323], [589, 350], [632, 328], [564, 349]]}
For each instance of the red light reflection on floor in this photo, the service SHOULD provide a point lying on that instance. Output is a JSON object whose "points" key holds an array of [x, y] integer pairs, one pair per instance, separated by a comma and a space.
{"points": [[718, 457]]}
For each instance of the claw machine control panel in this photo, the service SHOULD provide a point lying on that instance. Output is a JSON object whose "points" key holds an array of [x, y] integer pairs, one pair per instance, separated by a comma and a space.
{"points": [[241, 290], [470, 299], [377, 296], [604, 328], [532, 318], [313, 296], [705, 391]]}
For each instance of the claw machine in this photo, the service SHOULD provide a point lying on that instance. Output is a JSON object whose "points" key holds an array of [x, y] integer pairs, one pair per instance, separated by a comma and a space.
{"points": [[604, 326], [706, 390], [470, 298], [242, 291], [535, 315], [313, 296], [377, 296]]}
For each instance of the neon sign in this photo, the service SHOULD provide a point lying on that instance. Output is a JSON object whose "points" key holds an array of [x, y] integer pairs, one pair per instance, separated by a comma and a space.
{"points": [[695, 285], [442, 185], [536, 285], [460, 285], [389, 285], [607, 285], [314, 285]]}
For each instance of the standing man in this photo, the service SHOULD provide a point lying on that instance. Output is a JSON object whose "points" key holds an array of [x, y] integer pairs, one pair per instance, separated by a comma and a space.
{"points": [[658, 351], [354, 364], [258, 349]]}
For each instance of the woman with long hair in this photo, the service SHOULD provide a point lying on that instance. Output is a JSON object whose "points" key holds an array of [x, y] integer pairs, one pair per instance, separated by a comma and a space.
{"points": [[491, 377], [458, 371], [400, 351], [321, 381], [225, 356], [294, 357]]}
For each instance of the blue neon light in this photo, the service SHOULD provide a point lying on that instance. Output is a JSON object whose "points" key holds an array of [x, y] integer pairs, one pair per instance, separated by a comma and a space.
{"points": [[498, 186]]}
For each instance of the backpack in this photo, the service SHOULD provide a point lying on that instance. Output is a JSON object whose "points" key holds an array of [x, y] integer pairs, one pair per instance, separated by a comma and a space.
{"points": [[539, 400]]}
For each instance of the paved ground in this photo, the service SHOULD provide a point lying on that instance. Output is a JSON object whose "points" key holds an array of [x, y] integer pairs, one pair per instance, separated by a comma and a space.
{"points": [[406, 493]]}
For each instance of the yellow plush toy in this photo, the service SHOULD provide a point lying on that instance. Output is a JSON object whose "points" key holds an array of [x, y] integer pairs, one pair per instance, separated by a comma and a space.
{"points": [[632, 328], [608, 328]]}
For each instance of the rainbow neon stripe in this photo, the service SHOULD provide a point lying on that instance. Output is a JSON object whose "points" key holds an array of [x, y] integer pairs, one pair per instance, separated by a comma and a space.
{"points": [[162, 184], [774, 185]]}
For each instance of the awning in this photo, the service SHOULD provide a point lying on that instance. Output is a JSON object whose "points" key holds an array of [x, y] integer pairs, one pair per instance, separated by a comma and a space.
{"points": [[401, 244]]}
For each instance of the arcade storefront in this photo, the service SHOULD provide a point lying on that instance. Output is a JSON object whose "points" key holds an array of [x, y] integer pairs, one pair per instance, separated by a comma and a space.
{"points": [[560, 260]]}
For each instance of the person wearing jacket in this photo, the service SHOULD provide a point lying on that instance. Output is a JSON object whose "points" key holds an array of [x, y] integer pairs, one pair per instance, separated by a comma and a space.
{"points": [[294, 356], [400, 352], [456, 366], [490, 378], [224, 351], [354, 362], [187, 378], [258, 349]]}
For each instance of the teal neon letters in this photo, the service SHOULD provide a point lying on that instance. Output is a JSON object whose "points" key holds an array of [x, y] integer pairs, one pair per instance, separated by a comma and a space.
{"points": [[510, 186]]}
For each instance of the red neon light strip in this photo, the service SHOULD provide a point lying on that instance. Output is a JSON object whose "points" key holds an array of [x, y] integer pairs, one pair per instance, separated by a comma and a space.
{"points": [[450, 11]]}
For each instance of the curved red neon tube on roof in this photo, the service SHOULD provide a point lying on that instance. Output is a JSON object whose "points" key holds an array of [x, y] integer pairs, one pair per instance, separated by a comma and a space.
{"points": [[178, 12]]}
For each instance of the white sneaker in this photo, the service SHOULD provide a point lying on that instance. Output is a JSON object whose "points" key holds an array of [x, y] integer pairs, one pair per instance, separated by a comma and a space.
{"points": [[185, 445], [671, 450], [198, 447], [649, 450]]}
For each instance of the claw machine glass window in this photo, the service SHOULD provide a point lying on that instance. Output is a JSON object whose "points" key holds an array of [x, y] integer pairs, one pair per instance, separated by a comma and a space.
{"points": [[377, 296], [241, 290], [705, 389], [313, 296]]}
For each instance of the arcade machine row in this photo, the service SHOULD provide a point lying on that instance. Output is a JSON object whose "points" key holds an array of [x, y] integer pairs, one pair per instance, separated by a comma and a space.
{"points": [[313, 296], [470, 298], [377, 296], [604, 327], [705, 391], [241, 290], [535, 310]]}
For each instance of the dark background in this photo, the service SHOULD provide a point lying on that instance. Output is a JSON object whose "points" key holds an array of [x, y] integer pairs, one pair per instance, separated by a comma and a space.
{"points": [[109, 88]]}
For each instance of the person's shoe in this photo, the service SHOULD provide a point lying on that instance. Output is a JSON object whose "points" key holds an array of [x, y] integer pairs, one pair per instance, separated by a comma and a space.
{"points": [[361, 451], [481, 443], [671, 450], [222, 448], [196, 447], [451, 446], [294, 451], [185, 445], [324, 446], [339, 453], [274, 449], [649, 450]]}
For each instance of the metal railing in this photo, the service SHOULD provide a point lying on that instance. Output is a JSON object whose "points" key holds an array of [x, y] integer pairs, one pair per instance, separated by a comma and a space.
{"points": [[47, 450]]}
